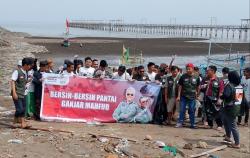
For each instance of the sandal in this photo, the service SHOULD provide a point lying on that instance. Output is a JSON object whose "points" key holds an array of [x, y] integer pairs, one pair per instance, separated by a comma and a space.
{"points": [[234, 146]]}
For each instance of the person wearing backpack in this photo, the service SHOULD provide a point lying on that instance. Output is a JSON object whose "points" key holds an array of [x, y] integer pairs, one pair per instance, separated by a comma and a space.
{"points": [[231, 108]]}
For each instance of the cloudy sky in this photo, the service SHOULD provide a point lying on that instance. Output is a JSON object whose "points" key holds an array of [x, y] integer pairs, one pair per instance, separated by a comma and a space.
{"points": [[135, 11]]}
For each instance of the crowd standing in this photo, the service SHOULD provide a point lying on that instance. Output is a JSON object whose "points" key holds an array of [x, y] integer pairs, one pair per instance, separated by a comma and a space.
{"points": [[185, 92]]}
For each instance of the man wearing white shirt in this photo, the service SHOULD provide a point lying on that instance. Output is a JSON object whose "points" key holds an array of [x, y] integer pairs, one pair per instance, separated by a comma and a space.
{"points": [[18, 82], [121, 74], [150, 72], [245, 82], [87, 70], [70, 69]]}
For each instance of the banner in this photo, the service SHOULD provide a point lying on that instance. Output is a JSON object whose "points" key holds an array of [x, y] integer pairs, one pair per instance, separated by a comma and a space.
{"points": [[77, 99]]}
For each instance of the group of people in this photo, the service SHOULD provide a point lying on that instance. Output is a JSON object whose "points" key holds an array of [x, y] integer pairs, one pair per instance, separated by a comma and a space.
{"points": [[184, 91]]}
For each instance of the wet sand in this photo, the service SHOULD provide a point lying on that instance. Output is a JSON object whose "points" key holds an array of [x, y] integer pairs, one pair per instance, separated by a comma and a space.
{"points": [[149, 47]]}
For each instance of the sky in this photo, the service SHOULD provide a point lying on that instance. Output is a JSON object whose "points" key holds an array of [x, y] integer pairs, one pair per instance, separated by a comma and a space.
{"points": [[131, 11]]}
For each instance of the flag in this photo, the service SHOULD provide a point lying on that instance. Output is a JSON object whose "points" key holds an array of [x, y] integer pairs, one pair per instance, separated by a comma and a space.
{"points": [[67, 23], [67, 26], [125, 55]]}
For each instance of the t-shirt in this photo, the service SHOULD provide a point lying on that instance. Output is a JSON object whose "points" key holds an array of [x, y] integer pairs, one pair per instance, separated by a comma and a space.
{"points": [[14, 76], [87, 72], [65, 72], [124, 76], [246, 88], [151, 76], [189, 85]]}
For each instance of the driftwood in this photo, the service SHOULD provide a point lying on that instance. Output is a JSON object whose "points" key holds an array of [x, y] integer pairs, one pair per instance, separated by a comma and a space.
{"points": [[209, 151], [35, 128], [108, 136], [129, 154]]}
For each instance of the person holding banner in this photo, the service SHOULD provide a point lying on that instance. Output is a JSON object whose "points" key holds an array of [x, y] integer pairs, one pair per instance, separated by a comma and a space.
{"points": [[121, 74], [102, 71], [141, 75], [69, 68], [37, 81], [126, 110], [87, 70]]}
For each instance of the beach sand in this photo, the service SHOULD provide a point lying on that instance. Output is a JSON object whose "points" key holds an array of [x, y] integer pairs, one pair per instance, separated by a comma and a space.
{"points": [[149, 47]]}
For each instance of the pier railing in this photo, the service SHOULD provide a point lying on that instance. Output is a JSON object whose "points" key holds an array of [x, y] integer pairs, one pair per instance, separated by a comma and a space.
{"points": [[240, 32]]}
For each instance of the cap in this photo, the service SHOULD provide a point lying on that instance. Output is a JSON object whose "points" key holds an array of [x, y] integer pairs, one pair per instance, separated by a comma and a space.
{"points": [[19, 63], [190, 65]]}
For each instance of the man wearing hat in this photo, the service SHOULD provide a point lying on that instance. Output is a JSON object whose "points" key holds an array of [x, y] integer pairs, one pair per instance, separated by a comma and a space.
{"points": [[189, 87]]}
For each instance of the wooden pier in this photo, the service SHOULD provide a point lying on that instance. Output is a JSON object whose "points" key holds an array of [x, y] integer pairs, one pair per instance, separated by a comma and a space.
{"points": [[240, 32]]}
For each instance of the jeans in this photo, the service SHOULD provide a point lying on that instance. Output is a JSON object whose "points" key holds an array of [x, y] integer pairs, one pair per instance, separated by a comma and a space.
{"points": [[230, 126], [244, 111], [20, 106], [191, 110]]}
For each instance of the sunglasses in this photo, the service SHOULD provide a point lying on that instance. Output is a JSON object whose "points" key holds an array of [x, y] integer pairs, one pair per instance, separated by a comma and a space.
{"points": [[142, 71], [130, 94]]}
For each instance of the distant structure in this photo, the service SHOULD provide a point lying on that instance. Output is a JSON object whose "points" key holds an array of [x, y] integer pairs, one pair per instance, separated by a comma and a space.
{"points": [[240, 32]]}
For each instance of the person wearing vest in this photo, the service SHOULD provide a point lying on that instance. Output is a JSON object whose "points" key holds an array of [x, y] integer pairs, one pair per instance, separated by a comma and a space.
{"points": [[19, 80], [230, 109], [171, 92], [213, 102], [188, 91]]}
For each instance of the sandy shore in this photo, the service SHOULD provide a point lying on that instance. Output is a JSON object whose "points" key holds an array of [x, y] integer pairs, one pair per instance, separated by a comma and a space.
{"points": [[149, 47], [111, 48]]}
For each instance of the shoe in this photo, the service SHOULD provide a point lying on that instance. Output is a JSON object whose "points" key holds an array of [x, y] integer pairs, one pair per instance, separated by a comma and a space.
{"points": [[178, 125], [245, 124], [234, 146], [226, 139], [205, 123], [219, 128], [193, 127]]}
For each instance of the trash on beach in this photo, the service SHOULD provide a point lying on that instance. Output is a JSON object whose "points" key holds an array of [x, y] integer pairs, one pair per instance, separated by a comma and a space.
{"points": [[188, 146], [15, 141], [103, 139], [94, 123], [170, 149], [148, 137], [202, 145], [122, 145], [160, 144]]}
